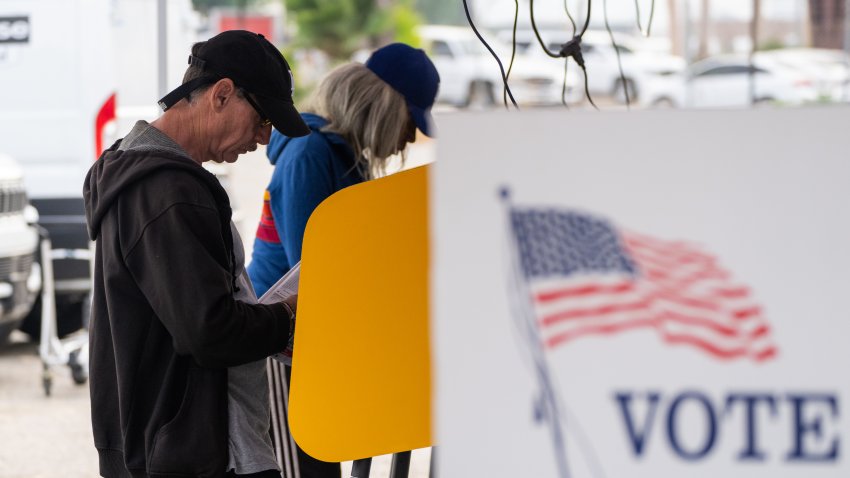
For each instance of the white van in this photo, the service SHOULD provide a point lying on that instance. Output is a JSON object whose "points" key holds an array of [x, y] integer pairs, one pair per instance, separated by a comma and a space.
{"points": [[74, 74], [57, 96]]}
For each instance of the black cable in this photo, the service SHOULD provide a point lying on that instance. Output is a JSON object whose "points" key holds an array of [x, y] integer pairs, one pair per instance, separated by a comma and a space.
{"points": [[571, 48], [537, 33], [567, 60], [651, 14], [572, 21], [586, 89], [586, 19], [486, 45], [617, 51], [637, 17], [649, 22], [540, 39], [513, 54], [564, 87]]}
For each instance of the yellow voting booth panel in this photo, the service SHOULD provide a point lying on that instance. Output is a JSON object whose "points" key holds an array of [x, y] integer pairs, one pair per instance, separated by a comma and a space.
{"points": [[361, 377]]}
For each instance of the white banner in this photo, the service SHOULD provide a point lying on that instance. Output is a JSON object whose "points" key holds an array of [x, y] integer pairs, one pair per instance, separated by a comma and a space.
{"points": [[654, 294]]}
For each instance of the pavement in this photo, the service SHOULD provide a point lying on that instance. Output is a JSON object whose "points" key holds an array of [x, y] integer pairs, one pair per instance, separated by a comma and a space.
{"points": [[42, 437], [50, 437]]}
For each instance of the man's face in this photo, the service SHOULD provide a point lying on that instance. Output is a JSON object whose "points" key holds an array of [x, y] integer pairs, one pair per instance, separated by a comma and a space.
{"points": [[240, 128]]}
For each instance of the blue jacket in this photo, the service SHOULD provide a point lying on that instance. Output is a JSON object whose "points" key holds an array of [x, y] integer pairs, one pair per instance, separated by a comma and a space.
{"points": [[306, 171]]}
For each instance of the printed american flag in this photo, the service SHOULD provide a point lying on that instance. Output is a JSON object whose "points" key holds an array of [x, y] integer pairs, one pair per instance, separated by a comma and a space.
{"points": [[587, 278]]}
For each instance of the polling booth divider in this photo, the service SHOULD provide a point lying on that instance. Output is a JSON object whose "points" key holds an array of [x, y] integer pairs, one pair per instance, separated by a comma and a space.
{"points": [[361, 376]]}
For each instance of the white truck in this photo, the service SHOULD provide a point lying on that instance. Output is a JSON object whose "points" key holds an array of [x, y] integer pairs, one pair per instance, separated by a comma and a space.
{"points": [[75, 74]]}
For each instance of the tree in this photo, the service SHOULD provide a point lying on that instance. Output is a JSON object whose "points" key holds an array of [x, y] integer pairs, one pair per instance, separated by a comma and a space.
{"points": [[705, 24], [442, 12], [340, 27], [205, 5]]}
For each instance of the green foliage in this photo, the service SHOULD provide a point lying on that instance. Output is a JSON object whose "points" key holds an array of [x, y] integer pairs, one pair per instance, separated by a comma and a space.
{"points": [[302, 90], [402, 22], [206, 5], [772, 44], [340, 27], [442, 12]]}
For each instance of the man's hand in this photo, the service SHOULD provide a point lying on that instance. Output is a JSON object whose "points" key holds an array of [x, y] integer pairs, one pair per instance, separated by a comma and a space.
{"points": [[292, 302]]}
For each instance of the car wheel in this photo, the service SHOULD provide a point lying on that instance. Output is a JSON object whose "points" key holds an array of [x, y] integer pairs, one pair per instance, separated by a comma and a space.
{"points": [[480, 95], [6, 330], [764, 102], [663, 104], [619, 92]]}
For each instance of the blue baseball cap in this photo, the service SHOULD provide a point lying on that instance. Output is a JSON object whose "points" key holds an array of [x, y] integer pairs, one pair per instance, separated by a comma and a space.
{"points": [[410, 72]]}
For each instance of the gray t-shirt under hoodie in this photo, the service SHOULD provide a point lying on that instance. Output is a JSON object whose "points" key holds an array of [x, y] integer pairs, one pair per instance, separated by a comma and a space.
{"points": [[250, 448]]}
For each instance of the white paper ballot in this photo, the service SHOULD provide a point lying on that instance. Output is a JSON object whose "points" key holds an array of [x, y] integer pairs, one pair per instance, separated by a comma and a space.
{"points": [[283, 289]]}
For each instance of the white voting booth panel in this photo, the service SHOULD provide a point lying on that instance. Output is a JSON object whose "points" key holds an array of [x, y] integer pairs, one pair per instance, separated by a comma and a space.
{"points": [[646, 294]]}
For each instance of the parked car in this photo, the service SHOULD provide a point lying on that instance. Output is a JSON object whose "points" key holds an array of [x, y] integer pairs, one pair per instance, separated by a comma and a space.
{"points": [[20, 275], [724, 82], [600, 58], [828, 69], [469, 76]]}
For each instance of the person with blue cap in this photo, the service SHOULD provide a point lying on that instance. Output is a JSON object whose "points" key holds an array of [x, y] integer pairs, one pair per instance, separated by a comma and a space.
{"points": [[359, 116]]}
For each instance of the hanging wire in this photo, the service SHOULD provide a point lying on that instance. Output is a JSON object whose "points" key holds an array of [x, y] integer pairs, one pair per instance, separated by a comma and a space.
{"points": [[651, 15], [586, 19], [586, 89], [572, 48], [649, 22], [569, 15], [637, 17], [513, 54], [564, 87], [486, 45], [617, 51], [537, 32], [567, 59]]}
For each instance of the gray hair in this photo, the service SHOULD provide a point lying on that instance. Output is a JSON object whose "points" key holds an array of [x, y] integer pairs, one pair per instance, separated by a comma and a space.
{"points": [[368, 113], [195, 71]]}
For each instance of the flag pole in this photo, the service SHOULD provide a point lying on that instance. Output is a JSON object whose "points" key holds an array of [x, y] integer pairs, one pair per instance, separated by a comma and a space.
{"points": [[546, 408]]}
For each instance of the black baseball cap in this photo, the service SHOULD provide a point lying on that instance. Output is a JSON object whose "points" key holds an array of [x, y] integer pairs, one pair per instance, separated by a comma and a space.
{"points": [[254, 65]]}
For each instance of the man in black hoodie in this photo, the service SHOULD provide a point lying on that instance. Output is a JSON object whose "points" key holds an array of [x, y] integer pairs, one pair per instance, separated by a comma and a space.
{"points": [[165, 326]]}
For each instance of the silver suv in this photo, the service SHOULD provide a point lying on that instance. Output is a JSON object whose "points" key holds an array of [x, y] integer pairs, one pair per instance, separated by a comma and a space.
{"points": [[20, 275]]}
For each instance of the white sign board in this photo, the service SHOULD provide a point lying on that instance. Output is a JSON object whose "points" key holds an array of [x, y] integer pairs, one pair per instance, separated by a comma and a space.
{"points": [[654, 294]]}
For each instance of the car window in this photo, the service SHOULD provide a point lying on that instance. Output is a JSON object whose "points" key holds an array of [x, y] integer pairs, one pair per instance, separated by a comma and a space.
{"points": [[441, 48], [624, 50], [725, 70], [522, 46], [475, 47]]}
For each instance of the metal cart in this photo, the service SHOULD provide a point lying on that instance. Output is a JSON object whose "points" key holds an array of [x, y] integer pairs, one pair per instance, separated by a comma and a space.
{"points": [[73, 350]]}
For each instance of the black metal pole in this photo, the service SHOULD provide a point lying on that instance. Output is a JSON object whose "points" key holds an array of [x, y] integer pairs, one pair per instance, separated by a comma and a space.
{"points": [[162, 46], [361, 468], [400, 465]]}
